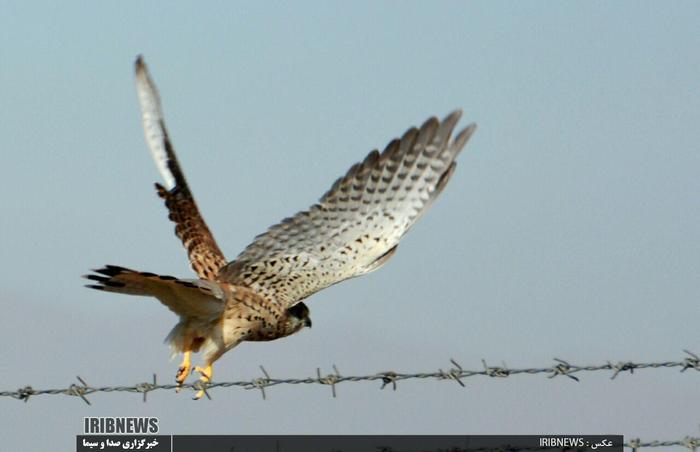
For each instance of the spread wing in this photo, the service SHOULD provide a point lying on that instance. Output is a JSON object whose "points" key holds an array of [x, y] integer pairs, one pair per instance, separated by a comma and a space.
{"points": [[357, 224], [205, 256]]}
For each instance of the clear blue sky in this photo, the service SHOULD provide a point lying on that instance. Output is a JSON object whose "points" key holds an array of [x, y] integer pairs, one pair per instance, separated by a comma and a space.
{"points": [[570, 229]]}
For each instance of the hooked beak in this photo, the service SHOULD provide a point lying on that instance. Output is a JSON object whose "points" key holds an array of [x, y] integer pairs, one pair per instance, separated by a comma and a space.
{"points": [[307, 322]]}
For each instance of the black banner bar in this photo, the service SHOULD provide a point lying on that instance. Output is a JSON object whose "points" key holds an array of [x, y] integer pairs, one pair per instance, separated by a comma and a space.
{"points": [[152, 443], [396, 443]]}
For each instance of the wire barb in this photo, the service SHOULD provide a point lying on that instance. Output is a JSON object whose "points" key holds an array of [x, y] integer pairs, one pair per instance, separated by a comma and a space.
{"points": [[455, 373], [146, 387], [24, 393], [80, 391], [261, 383], [622, 367], [500, 372], [692, 362], [565, 369], [201, 385], [330, 379], [389, 378]]}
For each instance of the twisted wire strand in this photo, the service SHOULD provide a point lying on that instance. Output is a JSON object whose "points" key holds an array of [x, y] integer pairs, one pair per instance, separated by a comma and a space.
{"points": [[456, 373]]}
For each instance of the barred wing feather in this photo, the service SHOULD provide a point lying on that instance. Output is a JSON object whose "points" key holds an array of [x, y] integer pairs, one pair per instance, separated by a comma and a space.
{"points": [[205, 256], [357, 224]]}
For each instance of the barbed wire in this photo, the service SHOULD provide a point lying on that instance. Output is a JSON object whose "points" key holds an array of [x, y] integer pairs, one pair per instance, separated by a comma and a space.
{"points": [[457, 373], [689, 442]]}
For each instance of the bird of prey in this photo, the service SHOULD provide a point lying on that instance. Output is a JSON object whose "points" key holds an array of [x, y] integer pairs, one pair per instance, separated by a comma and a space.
{"points": [[353, 229]]}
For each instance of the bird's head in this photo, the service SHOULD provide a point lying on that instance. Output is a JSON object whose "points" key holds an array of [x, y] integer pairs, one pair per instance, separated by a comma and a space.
{"points": [[298, 316]]}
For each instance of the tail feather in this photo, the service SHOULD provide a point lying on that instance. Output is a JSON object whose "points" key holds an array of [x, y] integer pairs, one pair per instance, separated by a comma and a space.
{"points": [[186, 297]]}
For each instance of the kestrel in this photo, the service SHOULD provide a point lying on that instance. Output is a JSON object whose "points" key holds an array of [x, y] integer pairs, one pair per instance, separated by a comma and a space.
{"points": [[353, 229]]}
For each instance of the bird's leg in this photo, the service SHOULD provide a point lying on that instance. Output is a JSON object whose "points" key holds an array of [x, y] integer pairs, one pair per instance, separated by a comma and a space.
{"points": [[205, 378], [183, 371]]}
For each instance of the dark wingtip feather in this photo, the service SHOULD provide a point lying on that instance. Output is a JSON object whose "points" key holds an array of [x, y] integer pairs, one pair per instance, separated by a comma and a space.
{"points": [[427, 132], [442, 136], [94, 286], [463, 136], [430, 125], [162, 192], [139, 63], [110, 270], [454, 116]]}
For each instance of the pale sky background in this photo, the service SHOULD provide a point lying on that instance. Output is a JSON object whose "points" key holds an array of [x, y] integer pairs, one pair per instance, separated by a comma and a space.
{"points": [[570, 229]]}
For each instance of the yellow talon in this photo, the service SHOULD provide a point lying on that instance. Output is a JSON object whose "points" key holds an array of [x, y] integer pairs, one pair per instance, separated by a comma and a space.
{"points": [[183, 371], [205, 378]]}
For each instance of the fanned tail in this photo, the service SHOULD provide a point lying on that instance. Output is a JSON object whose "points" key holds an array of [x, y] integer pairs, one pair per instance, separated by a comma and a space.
{"points": [[185, 297]]}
